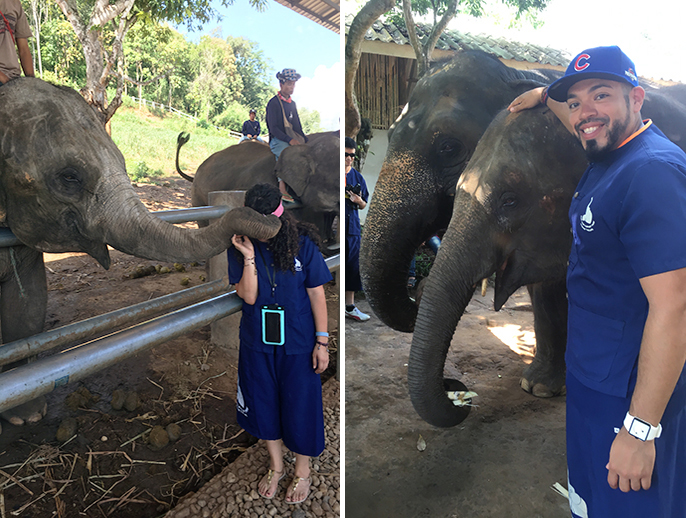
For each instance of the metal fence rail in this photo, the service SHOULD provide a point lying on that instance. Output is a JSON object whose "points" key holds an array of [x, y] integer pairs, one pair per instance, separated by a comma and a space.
{"points": [[29, 381]]}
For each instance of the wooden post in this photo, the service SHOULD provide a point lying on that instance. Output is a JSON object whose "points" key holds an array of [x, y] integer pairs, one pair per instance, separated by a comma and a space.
{"points": [[225, 330]]}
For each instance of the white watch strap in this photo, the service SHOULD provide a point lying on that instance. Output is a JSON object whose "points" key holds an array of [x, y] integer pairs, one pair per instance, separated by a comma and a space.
{"points": [[639, 425]]}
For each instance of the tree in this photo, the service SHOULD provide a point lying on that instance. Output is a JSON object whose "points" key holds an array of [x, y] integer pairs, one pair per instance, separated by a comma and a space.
{"points": [[371, 12], [63, 62], [37, 14], [353, 52], [101, 27], [447, 9], [154, 51], [255, 70], [217, 82]]}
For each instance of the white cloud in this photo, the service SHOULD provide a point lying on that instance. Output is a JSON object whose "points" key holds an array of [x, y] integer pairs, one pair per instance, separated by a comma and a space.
{"points": [[324, 93]]}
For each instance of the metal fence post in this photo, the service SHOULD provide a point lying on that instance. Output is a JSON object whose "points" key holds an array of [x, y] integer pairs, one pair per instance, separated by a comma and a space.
{"points": [[225, 330]]}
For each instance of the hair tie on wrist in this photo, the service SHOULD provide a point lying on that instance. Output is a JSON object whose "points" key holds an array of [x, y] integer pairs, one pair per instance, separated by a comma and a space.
{"points": [[278, 211], [321, 333]]}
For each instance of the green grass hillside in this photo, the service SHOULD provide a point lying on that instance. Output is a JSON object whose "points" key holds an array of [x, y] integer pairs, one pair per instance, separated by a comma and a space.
{"points": [[147, 139]]}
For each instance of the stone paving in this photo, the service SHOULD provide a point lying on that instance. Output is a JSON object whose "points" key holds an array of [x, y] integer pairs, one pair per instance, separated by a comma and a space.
{"points": [[233, 492]]}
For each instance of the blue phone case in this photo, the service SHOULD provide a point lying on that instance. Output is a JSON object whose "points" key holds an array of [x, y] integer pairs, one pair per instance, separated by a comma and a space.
{"points": [[273, 332]]}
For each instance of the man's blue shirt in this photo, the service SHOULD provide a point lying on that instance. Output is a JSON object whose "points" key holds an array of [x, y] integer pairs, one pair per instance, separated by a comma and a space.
{"points": [[628, 222], [251, 128], [290, 293], [352, 217]]}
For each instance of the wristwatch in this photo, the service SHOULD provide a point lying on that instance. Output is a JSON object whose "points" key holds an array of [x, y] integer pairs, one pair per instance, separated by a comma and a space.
{"points": [[640, 429]]}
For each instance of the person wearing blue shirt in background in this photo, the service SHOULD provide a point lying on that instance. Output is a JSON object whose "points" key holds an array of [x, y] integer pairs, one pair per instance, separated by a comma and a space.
{"points": [[251, 128], [626, 282], [279, 388], [356, 196], [283, 121]]}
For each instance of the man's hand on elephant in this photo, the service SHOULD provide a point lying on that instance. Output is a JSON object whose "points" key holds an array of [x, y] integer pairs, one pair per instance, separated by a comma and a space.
{"points": [[527, 100], [293, 142], [631, 463]]}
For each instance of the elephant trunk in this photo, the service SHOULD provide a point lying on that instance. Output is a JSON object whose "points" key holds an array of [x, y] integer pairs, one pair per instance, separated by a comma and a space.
{"points": [[450, 286], [389, 241], [128, 226]]}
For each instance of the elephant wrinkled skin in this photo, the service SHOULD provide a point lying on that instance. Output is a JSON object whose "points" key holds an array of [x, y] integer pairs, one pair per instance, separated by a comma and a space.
{"points": [[310, 170], [64, 188]]}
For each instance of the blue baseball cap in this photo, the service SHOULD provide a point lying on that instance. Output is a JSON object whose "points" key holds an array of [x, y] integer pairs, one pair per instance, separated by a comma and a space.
{"points": [[599, 62]]}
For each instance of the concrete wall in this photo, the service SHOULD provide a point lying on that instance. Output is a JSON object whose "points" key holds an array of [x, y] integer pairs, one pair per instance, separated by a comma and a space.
{"points": [[372, 165]]}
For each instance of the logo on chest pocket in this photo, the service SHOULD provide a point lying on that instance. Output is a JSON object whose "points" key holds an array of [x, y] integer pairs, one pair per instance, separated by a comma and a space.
{"points": [[298, 265], [587, 222]]}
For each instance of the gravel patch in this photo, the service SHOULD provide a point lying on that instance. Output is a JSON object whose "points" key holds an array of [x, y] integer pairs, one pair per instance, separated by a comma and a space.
{"points": [[233, 492]]}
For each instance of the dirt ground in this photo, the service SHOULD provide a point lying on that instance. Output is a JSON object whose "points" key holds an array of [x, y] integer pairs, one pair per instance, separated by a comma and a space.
{"points": [[500, 462], [108, 468]]}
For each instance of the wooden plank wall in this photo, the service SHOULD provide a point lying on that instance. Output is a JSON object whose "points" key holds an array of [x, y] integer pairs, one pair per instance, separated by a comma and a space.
{"points": [[382, 87]]}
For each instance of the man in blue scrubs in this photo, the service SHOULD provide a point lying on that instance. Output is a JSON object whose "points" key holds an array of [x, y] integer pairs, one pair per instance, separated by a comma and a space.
{"points": [[626, 386]]}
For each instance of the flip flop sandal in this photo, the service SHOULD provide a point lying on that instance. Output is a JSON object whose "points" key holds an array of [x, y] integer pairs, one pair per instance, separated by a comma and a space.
{"points": [[294, 486], [269, 476]]}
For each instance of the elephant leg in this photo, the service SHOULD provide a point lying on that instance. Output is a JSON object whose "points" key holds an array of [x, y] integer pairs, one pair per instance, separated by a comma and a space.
{"points": [[23, 303], [545, 376]]}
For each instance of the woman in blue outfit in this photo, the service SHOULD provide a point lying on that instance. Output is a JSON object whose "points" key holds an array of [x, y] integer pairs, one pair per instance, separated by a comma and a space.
{"points": [[279, 388]]}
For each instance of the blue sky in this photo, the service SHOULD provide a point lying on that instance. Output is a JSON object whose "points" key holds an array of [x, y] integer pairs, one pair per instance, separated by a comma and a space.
{"points": [[289, 40]]}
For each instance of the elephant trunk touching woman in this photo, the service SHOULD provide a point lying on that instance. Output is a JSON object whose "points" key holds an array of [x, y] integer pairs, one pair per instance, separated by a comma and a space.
{"points": [[64, 188]]}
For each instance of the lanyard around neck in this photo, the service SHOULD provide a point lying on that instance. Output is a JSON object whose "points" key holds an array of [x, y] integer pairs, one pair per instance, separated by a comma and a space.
{"points": [[272, 282]]}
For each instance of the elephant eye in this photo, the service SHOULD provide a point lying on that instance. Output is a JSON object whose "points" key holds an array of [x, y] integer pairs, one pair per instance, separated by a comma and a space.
{"points": [[68, 181], [508, 200], [451, 152]]}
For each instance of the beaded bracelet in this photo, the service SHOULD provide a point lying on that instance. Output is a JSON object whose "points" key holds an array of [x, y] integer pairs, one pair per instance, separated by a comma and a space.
{"points": [[322, 343], [249, 260]]}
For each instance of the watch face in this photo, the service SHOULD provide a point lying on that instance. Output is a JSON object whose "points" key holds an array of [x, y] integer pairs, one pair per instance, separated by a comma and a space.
{"points": [[639, 429]]}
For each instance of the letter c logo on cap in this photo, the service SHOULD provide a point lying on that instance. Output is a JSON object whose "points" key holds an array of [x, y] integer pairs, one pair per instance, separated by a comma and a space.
{"points": [[578, 66]]}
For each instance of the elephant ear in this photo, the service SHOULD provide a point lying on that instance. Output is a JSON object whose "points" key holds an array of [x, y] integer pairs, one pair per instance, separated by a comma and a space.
{"points": [[296, 166]]}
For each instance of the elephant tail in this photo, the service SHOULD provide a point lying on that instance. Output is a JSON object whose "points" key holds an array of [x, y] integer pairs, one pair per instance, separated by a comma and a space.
{"points": [[180, 141]]}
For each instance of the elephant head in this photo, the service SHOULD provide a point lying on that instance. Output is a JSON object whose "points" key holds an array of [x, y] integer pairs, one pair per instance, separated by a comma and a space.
{"points": [[63, 185], [310, 170], [429, 147], [509, 218]]}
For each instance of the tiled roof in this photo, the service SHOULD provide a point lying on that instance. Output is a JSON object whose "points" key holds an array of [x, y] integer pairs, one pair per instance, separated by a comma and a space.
{"points": [[326, 13], [456, 40]]}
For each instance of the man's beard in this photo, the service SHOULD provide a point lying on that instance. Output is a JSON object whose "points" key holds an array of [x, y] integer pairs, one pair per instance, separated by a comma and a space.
{"points": [[596, 153]]}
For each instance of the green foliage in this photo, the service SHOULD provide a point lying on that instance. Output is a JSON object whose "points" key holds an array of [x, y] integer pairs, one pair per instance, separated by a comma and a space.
{"points": [[233, 117], [192, 13], [217, 80], [61, 52], [143, 137], [310, 120], [424, 260], [142, 172], [436, 8], [256, 72]]}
